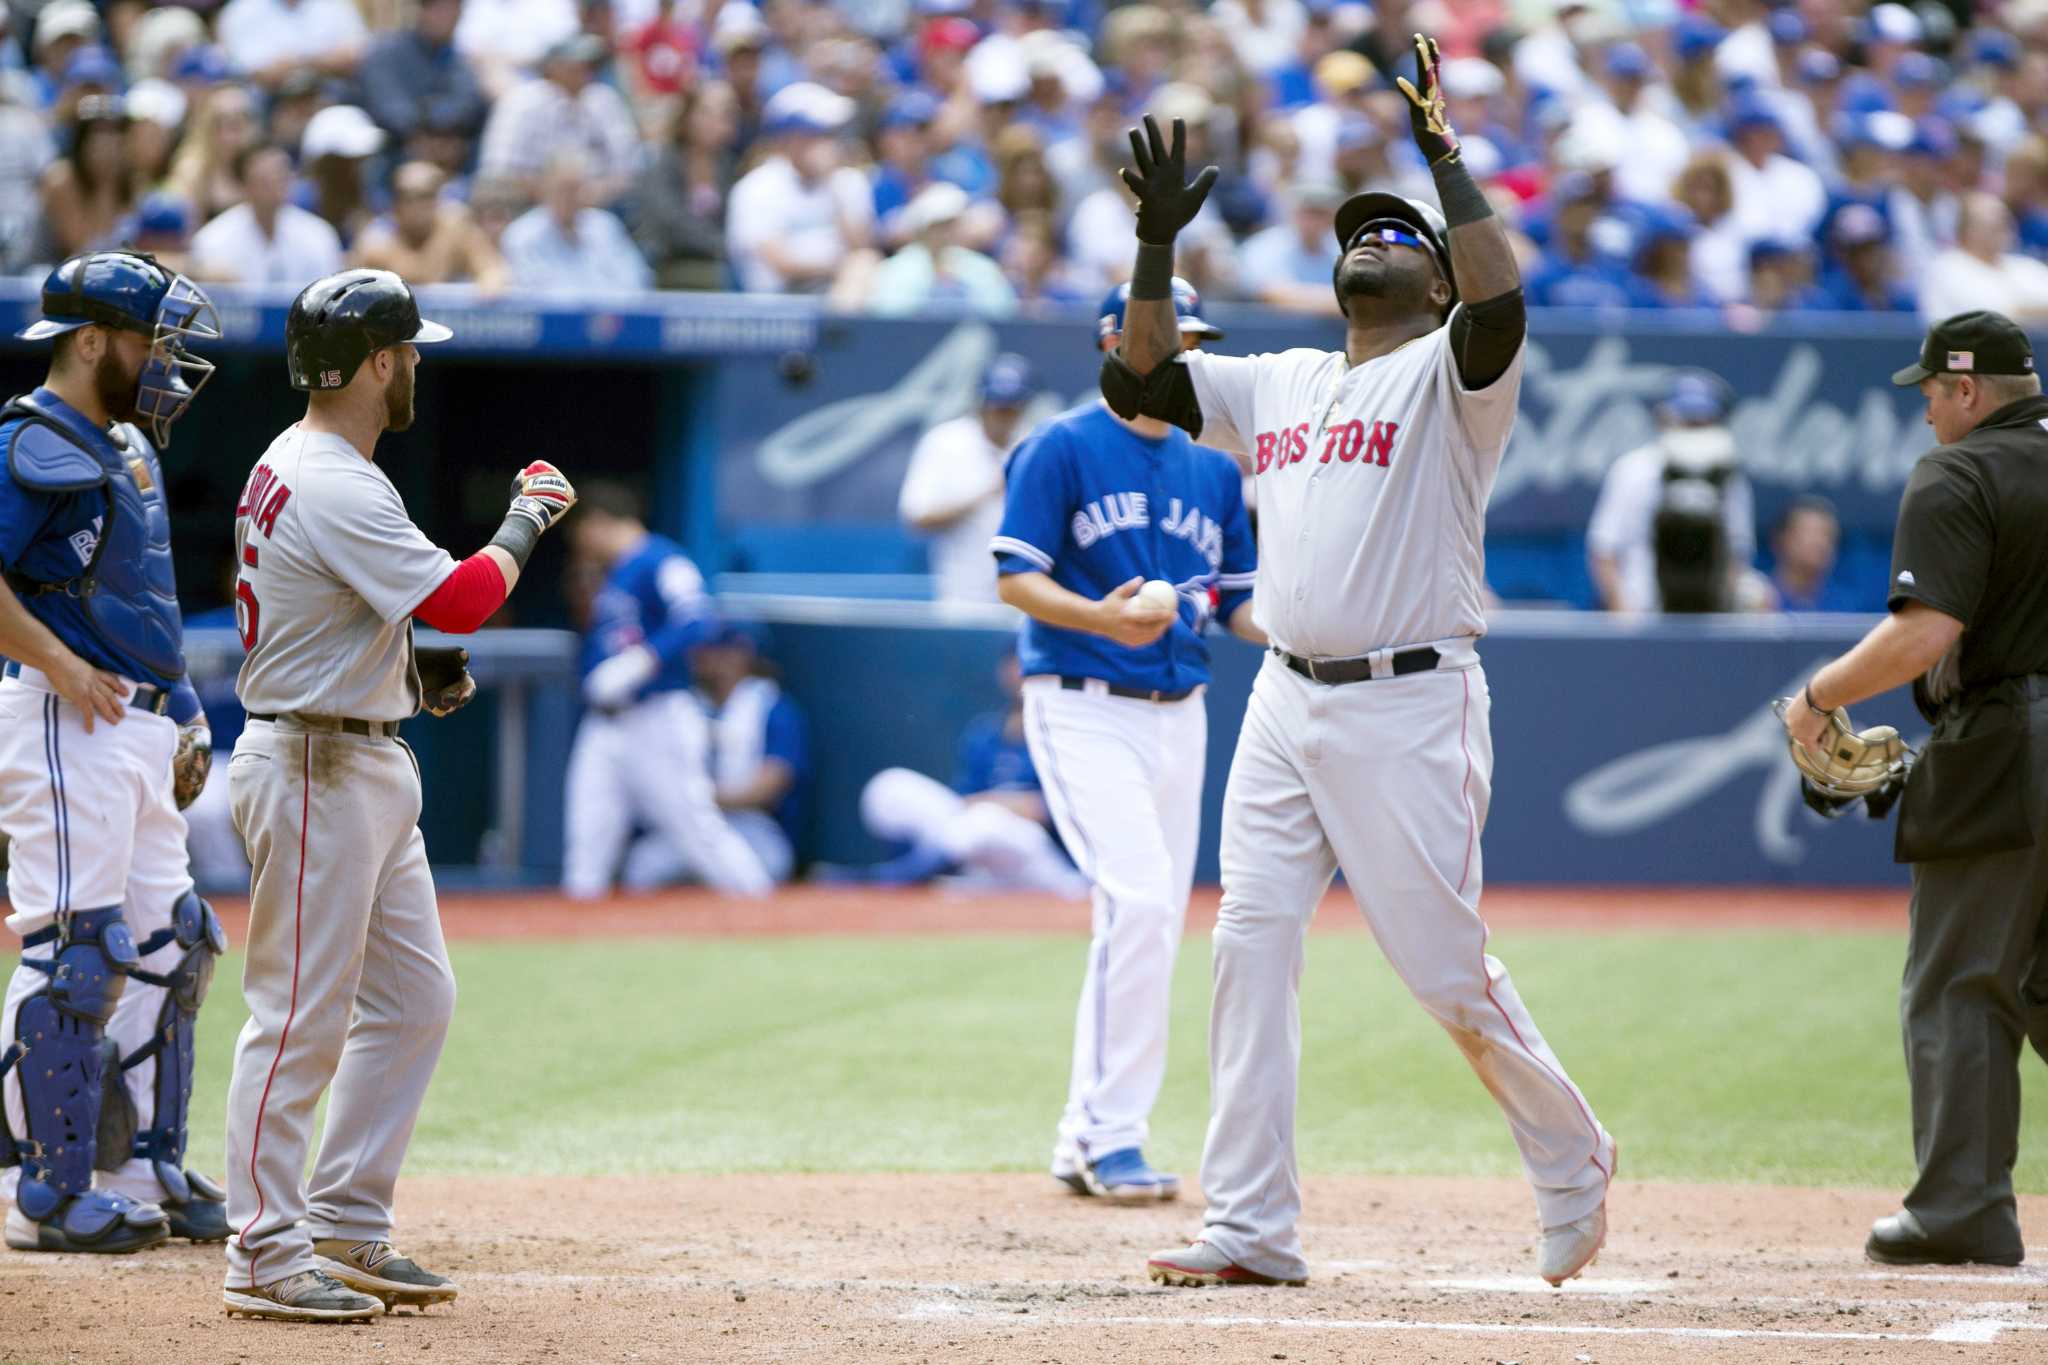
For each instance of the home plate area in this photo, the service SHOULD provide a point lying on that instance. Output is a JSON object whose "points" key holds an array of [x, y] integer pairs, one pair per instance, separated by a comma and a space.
{"points": [[892, 1267]]}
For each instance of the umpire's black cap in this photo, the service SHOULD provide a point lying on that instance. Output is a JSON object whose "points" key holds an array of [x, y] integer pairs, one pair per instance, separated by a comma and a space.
{"points": [[1979, 342], [337, 321], [1373, 205]]}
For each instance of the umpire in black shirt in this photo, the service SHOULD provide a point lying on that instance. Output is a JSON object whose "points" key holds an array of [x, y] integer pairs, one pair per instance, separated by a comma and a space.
{"points": [[1969, 628]]}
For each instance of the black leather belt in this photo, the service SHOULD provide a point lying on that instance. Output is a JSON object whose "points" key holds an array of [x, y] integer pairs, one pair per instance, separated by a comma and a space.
{"points": [[1420, 660], [1134, 693], [346, 725], [147, 697]]}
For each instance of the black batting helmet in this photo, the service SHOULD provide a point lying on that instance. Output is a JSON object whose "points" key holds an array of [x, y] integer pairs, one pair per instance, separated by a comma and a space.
{"points": [[337, 321], [1374, 205]]}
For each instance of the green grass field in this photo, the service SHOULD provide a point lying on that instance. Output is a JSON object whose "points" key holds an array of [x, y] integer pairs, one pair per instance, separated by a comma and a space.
{"points": [[1745, 1057]]}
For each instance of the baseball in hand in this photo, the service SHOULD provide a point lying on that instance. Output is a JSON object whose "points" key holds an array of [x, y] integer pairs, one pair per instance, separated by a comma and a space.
{"points": [[1159, 595]]}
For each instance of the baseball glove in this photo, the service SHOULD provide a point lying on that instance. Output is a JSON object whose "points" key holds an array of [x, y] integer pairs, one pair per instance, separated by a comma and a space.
{"points": [[445, 684], [190, 764], [1869, 765]]}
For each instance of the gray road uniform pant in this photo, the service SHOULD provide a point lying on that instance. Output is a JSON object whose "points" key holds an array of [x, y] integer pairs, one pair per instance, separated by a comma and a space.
{"points": [[1976, 978], [348, 986]]}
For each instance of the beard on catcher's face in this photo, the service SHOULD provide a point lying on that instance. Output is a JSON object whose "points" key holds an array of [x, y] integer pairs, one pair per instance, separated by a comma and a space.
{"points": [[117, 385]]}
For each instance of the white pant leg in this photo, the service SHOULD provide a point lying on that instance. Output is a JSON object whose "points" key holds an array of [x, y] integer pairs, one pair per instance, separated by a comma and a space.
{"points": [[901, 806], [1100, 759], [654, 860], [405, 1001], [158, 875], [1276, 866], [670, 775], [1402, 786], [215, 849], [599, 819]]}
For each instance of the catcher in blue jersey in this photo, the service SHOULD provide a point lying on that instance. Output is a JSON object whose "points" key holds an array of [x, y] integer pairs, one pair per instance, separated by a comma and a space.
{"points": [[102, 743], [1096, 508]]}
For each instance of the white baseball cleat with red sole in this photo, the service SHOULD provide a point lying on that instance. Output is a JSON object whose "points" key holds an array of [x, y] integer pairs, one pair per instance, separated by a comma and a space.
{"points": [[1202, 1264]]}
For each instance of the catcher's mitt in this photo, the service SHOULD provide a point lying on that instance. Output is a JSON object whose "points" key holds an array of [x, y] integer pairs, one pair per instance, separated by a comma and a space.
{"points": [[1850, 764], [445, 684], [190, 764]]}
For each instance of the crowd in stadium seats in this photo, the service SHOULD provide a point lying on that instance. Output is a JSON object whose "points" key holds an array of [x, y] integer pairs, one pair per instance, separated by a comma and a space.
{"points": [[1727, 154]]}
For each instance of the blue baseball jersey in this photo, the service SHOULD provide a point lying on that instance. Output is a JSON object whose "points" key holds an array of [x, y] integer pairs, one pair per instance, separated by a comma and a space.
{"points": [[1092, 504], [655, 597], [992, 759], [50, 537]]}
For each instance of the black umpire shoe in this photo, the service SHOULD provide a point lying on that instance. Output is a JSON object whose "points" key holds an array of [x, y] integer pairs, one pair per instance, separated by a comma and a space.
{"points": [[1900, 1240]]}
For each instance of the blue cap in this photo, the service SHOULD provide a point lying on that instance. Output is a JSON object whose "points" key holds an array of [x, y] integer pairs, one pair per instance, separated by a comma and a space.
{"points": [[205, 63], [1008, 381], [1995, 47], [1694, 37], [1961, 103], [162, 214], [913, 108], [1863, 93], [1572, 187], [1932, 137], [92, 66], [1787, 27], [1628, 61], [1918, 71], [1354, 130], [1187, 306], [1817, 65], [1774, 249], [1752, 113], [1696, 396]]}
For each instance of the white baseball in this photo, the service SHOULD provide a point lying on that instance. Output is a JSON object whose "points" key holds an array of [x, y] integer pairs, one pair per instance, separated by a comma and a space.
{"points": [[1159, 594]]}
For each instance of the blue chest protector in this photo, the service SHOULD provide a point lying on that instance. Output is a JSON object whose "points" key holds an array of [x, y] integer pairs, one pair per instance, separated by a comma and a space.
{"points": [[128, 588]]}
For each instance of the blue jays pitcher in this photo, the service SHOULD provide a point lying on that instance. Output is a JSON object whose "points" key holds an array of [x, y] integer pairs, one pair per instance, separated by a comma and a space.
{"points": [[101, 744], [1096, 506]]}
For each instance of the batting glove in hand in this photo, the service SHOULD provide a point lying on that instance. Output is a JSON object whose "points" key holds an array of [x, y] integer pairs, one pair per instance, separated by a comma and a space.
{"points": [[1158, 175], [542, 494], [1426, 111], [191, 762], [445, 684]]}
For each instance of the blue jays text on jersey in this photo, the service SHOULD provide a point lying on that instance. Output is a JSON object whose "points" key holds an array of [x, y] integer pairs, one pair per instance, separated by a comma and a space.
{"points": [[655, 597], [1092, 504], [78, 500]]}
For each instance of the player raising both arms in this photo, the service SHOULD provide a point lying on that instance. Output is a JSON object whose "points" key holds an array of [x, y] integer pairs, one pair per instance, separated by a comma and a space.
{"points": [[1365, 745], [347, 978]]}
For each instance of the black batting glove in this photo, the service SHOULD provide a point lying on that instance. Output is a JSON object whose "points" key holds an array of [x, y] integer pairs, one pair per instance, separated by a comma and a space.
{"points": [[1426, 114], [1158, 175]]}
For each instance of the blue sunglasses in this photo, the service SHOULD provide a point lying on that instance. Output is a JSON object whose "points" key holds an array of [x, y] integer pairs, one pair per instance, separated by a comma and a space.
{"points": [[1390, 233]]}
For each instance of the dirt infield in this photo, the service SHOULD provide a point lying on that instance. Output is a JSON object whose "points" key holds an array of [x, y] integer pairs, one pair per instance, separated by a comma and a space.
{"points": [[867, 910], [1011, 1269]]}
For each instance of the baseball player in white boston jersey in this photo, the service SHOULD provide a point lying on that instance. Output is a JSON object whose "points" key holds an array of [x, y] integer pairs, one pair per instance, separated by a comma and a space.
{"points": [[347, 979], [1365, 745]]}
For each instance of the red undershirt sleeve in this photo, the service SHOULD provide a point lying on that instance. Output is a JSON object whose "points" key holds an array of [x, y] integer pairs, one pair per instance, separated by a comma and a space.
{"points": [[466, 598]]}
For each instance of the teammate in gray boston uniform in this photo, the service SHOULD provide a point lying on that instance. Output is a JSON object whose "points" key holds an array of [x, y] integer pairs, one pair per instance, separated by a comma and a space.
{"points": [[1366, 744], [347, 978]]}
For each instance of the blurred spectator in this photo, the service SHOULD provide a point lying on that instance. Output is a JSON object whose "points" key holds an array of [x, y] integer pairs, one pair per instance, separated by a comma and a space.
{"points": [[1690, 480], [1024, 183], [62, 29], [266, 239], [953, 490], [268, 40], [25, 153], [292, 107], [429, 239], [336, 152], [903, 155], [157, 38], [679, 200], [203, 172], [156, 111], [1774, 195], [2026, 193], [89, 191], [1291, 264], [1780, 273], [502, 39], [163, 228], [800, 220], [1657, 147], [935, 267], [1924, 211], [1865, 276], [1100, 232], [740, 39], [1982, 271], [497, 204], [1803, 544], [563, 109], [1031, 262], [564, 244], [92, 73], [1583, 266], [661, 54], [1264, 33], [413, 72], [1088, 160], [1664, 262]]}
